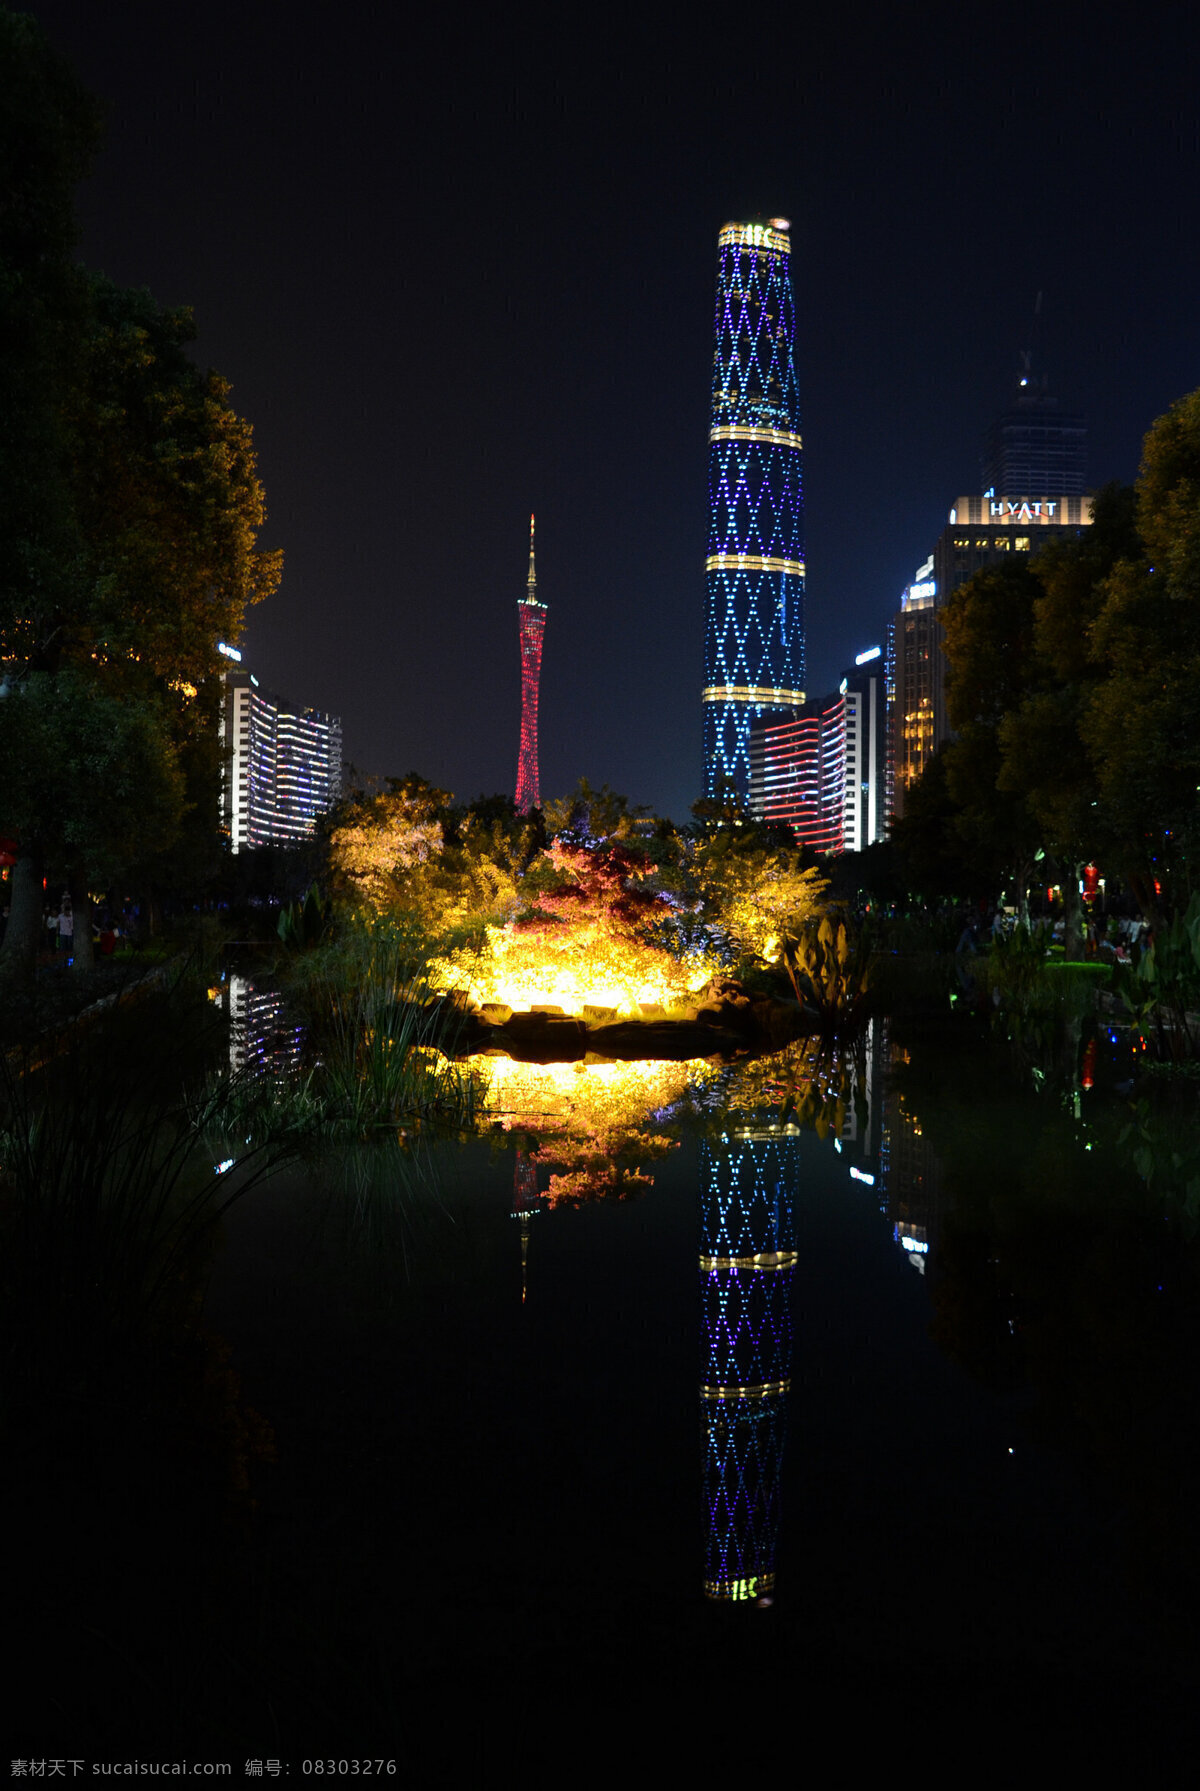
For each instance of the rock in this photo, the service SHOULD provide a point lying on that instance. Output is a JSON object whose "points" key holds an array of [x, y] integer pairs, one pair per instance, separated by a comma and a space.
{"points": [[540, 1037]]}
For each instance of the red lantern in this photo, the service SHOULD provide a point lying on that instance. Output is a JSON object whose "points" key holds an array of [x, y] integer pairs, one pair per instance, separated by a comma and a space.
{"points": [[1088, 1074], [1091, 882]]}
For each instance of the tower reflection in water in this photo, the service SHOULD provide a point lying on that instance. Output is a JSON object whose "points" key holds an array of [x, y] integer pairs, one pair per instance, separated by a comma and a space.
{"points": [[748, 1181]]}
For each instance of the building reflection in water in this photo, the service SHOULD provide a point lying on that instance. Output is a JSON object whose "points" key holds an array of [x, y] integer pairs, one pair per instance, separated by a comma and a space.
{"points": [[596, 1130], [748, 1181], [910, 1180], [886, 1149], [525, 1208], [261, 1034]]}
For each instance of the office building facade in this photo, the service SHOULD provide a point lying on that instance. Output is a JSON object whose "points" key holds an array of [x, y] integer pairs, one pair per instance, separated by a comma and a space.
{"points": [[754, 605], [282, 765], [1035, 446], [824, 772], [982, 531]]}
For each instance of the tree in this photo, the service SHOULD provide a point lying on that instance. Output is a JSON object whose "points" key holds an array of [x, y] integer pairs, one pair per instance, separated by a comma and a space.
{"points": [[989, 630], [586, 938], [1045, 759], [1142, 718], [754, 892], [129, 506], [935, 858], [104, 765], [588, 817], [379, 840]]}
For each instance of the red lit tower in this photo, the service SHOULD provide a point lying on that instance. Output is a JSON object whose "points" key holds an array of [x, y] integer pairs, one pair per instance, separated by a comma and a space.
{"points": [[532, 624]]}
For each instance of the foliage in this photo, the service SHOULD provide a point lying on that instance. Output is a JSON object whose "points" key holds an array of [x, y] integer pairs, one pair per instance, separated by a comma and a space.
{"points": [[937, 858], [407, 850], [1073, 684], [590, 817], [382, 1031], [1017, 961], [586, 938], [753, 893], [989, 643], [109, 1193], [829, 968], [129, 507], [305, 923], [1163, 991], [596, 1126], [1141, 724], [378, 839]]}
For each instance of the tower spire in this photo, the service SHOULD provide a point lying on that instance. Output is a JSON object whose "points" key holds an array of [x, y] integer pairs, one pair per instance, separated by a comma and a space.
{"points": [[531, 580]]}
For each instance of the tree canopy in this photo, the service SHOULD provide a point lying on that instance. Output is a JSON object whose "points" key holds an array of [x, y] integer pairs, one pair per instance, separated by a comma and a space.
{"points": [[129, 509], [1073, 686]]}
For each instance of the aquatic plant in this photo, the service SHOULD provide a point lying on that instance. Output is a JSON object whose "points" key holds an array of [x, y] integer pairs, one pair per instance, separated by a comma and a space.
{"points": [[1163, 992], [383, 1033], [829, 968], [110, 1198], [305, 923]]}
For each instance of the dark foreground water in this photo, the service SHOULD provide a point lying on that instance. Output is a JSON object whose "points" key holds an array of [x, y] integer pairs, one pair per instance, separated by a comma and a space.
{"points": [[879, 1440]]}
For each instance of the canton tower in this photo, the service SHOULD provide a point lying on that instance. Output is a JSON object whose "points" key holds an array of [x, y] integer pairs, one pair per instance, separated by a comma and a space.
{"points": [[754, 611], [532, 626]]}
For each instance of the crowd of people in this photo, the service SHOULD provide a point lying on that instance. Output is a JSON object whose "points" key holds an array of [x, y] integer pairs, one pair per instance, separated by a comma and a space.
{"points": [[110, 931]]}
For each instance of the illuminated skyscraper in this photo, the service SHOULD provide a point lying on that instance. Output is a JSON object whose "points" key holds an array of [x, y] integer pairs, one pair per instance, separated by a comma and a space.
{"points": [[982, 531], [754, 622], [282, 765], [532, 624]]}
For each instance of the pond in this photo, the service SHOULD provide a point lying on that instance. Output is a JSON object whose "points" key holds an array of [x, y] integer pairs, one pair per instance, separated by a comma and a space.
{"points": [[766, 1403], [804, 1392]]}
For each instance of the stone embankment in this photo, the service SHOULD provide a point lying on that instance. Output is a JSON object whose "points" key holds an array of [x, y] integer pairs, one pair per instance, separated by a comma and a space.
{"points": [[724, 1020]]}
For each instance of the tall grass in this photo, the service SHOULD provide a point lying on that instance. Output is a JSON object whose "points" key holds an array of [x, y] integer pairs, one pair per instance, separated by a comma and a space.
{"points": [[383, 1036], [109, 1196]]}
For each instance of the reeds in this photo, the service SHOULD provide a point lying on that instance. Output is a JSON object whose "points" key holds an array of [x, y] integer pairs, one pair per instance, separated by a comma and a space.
{"points": [[109, 1198], [383, 1038]]}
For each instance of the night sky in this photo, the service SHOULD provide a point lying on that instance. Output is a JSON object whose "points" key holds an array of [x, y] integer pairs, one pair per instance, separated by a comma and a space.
{"points": [[460, 266]]}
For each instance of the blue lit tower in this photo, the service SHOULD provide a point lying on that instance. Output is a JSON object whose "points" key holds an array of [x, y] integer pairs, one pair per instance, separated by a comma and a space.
{"points": [[748, 1179], [754, 620]]}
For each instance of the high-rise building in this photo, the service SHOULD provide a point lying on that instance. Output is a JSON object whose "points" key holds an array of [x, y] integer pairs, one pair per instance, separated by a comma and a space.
{"points": [[916, 685], [531, 622], [824, 772], [982, 531], [1035, 446], [797, 772], [282, 765], [754, 616]]}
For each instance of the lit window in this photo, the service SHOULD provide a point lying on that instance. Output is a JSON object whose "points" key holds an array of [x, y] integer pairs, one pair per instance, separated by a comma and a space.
{"points": [[1022, 543]]}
